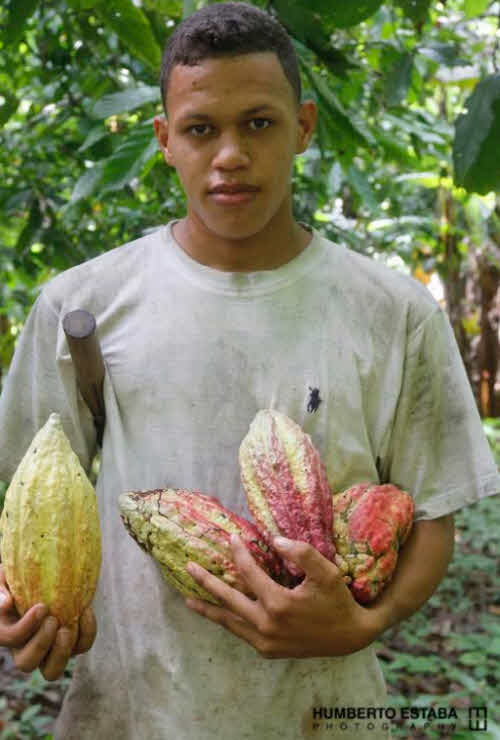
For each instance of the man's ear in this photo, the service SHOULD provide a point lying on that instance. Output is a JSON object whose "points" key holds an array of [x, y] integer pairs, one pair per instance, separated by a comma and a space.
{"points": [[160, 125], [307, 118]]}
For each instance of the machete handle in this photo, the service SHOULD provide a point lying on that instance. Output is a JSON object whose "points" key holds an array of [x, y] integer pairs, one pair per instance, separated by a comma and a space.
{"points": [[79, 327]]}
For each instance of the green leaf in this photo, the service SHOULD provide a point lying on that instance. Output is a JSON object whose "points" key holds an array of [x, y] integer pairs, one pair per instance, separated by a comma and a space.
{"points": [[131, 26], [85, 185], [398, 78], [139, 146], [19, 12], [95, 134], [476, 154], [31, 227], [475, 7], [426, 179], [30, 712], [360, 183], [395, 149], [334, 121], [416, 10], [9, 106], [340, 14], [493, 647], [125, 101], [471, 658], [441, 52], [343, 13], [165, 7]]}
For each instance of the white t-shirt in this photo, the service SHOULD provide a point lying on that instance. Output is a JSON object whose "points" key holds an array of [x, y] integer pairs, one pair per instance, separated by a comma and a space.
{"points": [[192, 353]]}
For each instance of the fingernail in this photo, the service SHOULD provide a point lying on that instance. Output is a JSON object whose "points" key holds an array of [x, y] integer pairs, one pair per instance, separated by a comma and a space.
{"points": [[65, 638], [282, 542], [235, 539], [50, 623], [3, 598], [41, 612]]}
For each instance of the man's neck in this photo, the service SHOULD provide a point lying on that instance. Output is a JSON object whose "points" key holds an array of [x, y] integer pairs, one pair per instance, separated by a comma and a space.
{"points": [[266, 251]]}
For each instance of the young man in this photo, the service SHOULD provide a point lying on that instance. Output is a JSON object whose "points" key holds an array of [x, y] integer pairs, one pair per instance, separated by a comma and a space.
{"points": [[234, 308]]}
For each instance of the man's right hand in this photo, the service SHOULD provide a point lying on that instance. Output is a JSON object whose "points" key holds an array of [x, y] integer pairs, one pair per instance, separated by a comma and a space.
{"points": [[37, 641]]}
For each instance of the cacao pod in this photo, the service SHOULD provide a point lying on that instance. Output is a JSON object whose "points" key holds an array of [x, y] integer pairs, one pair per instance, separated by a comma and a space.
{"points": [[370, 523], [285, 483], [51, 540], [176, 526]]}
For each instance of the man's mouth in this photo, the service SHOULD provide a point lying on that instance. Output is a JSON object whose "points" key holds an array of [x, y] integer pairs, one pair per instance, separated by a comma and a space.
{"points": [[233, 194], [233, 188]]}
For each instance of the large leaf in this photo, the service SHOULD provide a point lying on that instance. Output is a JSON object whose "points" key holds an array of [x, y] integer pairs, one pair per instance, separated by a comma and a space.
{"points": [[9, 106], [19, 12], [359, 181], [398, 76], [335, 127], [416, 10], [125, 101], [85, 185], [339, 13], [476, 150], [130, 24], [442, 52], [343, 13], [475, 7], [394, 148], [127, 162]]}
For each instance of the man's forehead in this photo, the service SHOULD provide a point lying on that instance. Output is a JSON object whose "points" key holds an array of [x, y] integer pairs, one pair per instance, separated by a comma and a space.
{"points": [[190, 112], [257, 76]]}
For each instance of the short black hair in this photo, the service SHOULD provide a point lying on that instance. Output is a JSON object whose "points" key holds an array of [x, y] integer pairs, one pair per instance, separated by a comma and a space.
{"points": [[228, 29]]}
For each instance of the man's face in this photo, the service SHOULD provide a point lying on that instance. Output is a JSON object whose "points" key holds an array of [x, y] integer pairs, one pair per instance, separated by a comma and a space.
{"points": [[213, 138]]}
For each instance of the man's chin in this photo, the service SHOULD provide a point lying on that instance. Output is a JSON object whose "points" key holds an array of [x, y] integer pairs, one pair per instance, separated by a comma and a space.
{"points": [[233, 227]]}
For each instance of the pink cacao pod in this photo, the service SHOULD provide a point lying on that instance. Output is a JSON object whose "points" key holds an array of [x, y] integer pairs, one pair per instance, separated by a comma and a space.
{"points": [[285, 483], [370, 523], [175, 526]]}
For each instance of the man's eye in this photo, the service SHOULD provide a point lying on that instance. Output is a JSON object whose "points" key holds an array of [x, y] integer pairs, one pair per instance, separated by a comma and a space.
{"points": [[192, 128], [266, 120], [195, 130]]}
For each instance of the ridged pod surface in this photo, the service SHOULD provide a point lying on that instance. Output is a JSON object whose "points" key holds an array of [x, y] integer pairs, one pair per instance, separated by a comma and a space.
{"points": [[370, 523], [175, 526], [285, 483], [51, 540]]}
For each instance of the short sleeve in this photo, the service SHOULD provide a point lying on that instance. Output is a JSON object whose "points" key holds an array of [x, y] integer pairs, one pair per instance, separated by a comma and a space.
{"points": [[438, 450], [40, 381]]}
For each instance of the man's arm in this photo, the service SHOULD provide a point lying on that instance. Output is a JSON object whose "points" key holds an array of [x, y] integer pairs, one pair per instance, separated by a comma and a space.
{"points": [[422, 564], [320, 616]]}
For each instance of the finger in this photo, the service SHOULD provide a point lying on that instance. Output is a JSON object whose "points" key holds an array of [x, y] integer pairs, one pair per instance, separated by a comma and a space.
{"points": [[16, 631], [233, 600], [258, 582], [317, 568], [56, 659], [31, 654], [87, 632]]}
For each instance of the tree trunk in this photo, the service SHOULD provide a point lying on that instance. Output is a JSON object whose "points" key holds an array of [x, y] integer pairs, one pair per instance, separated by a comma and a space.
{"points": [[454, 277], [488, 351]]}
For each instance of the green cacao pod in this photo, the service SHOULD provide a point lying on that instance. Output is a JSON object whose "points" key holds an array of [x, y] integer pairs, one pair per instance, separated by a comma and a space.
{"points": [[285, 483], [176, 526], [51, 540]]}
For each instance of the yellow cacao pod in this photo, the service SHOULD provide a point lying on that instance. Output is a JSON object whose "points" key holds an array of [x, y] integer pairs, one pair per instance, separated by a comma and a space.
{"points": [[51, 539]]}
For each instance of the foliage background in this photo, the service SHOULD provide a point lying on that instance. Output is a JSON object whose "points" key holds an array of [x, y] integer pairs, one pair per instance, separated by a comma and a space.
{"points": [[404, 167]]}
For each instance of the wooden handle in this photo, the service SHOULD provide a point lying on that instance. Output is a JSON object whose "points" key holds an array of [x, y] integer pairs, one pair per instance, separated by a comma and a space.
{"points": [[79, 327]]}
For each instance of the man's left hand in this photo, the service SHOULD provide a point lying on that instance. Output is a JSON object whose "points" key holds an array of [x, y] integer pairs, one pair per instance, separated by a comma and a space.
{"points": [[319, 617]]}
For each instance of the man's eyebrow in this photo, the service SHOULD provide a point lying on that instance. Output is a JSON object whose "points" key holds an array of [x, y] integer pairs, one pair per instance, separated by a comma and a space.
{"points": [[193, 115]]}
